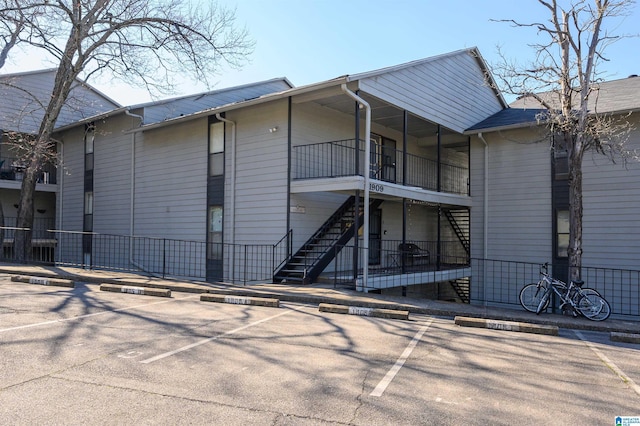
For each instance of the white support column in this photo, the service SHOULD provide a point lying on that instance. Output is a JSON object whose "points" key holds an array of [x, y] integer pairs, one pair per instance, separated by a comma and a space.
{"points": [[367, 168]]}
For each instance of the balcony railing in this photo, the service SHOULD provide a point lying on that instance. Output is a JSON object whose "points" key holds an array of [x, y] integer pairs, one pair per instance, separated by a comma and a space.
{"points": [[13, 169], [494, 282], [40, 230], [338, 159]]}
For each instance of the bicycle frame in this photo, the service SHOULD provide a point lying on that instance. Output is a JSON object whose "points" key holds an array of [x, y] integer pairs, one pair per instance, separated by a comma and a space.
{"points": [[568, 294]]}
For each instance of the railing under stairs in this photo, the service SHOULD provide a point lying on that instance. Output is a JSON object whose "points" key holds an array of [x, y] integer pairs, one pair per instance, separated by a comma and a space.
{"points": [[459, 221], [462, 287]]}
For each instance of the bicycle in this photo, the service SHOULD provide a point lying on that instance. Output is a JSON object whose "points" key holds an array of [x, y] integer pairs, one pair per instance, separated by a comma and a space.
{"points": [[575, 300]]}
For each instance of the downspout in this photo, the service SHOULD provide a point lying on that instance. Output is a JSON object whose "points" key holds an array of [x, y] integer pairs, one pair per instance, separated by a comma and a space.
{"points": [[61, 196], [232, 189], [133, 186], [485, 224], [366, 172]]}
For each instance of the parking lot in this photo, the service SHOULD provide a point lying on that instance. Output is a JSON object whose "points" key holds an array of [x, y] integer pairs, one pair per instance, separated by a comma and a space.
{"points": [[85, 356]]}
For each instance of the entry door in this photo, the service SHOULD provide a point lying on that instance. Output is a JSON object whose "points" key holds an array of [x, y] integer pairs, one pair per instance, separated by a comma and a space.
{"points": [[375, 236], [383, 158], [388, 160]]}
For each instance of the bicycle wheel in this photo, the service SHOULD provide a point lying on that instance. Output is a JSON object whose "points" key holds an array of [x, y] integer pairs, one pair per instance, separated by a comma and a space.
{"points": [[587, 291], [581, 292], [530, 296], [544, 301], [594, 307]]}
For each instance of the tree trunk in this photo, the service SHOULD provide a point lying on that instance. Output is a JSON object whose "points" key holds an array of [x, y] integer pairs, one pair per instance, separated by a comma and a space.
{"points": [[22, 241], [1, 232], [574, 250]]}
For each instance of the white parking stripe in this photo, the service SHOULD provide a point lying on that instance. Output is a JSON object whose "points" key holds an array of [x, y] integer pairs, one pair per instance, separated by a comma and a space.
{"points": [[210, 339], [382, 386], [39, 324], [609, 364]]}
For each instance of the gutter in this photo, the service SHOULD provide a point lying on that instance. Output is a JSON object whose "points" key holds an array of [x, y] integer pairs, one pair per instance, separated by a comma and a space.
{"points": [[60, 197], [133, 188], [485, 219], [367, 168]]}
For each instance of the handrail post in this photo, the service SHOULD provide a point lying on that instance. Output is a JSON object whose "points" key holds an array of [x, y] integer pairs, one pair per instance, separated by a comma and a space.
{"points": [[164, 257], [244, 282]]}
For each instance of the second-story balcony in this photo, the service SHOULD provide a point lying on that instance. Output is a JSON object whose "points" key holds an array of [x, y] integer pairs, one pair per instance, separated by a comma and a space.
{"points": [[13, 169], [346, 158]]}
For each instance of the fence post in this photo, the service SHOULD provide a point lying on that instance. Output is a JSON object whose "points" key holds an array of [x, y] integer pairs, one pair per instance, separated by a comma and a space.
{"points": [[244, 279], [164, 257], [335, 267]]}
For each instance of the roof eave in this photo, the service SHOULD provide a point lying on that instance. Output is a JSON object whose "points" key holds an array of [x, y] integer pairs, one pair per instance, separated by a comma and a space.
{"points": [[501, 128], [489, 76], [100, 116]]}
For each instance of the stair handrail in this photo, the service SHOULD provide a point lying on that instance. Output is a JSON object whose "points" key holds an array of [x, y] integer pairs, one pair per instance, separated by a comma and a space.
{"points": [[288, 237]]}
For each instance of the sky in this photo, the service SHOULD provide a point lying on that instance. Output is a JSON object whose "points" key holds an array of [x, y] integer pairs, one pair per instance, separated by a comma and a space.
{"points": [[309, 41]]}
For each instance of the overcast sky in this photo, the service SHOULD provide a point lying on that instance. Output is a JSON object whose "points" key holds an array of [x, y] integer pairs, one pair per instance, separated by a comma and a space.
{"points": [[309, 41]]}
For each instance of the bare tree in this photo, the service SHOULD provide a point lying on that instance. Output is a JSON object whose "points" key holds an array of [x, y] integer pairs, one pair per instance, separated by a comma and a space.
{"points": [[563, 82], [145, 42], [11, 26]]}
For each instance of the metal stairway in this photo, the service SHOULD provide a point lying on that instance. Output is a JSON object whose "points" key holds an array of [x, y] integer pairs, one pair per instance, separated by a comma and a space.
{"points": [[462, 287], [459, 219], [313, 257]]}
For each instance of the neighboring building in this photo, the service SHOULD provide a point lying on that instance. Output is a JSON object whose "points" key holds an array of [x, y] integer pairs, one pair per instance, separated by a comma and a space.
{"points": [[521, 197], [287, 171], [24, 98]]}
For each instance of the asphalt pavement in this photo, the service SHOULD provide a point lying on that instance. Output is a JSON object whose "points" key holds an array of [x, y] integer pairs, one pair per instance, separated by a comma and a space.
{"points": [[322, 293]]}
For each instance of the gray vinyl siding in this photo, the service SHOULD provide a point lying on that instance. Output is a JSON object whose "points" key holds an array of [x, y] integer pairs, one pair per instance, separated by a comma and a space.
{"points": [[476, 180], [611, 202], [177, 107], [520, 213], [312, 123], [70, 198], [112, 176], [261, 173], [519, 209], [171, 182], [450, 91], [318, 207], [71, 182], [519, 198]]}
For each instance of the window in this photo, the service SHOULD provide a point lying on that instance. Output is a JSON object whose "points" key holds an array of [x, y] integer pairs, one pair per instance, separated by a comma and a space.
{"points": [[87, 223], [88, 202], [562, 233], [89, 139], [215, 232], [216, 149], [560, 158], [88, 212]]}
